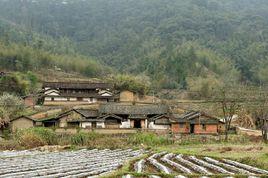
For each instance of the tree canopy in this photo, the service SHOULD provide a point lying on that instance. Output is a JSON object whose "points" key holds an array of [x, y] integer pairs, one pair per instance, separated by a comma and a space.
{"points": [[174, 42]]}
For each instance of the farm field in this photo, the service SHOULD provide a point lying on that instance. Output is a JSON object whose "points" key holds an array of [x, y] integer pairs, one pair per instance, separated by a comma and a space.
{"points": [[166, 164], [107, 163], [82, 163]]}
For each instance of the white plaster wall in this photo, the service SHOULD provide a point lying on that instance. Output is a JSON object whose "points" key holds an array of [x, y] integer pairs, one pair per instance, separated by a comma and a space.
{"points": [[125, 124], [52, 94], [60, 99], [153, 126], [73, 99], [86, 124], [106, 94], [94, 100], [100, 125], [47, 98], [63, 124]]}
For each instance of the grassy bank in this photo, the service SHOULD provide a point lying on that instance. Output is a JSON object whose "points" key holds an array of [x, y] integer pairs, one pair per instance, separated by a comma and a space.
{"points": [[37, 137]]}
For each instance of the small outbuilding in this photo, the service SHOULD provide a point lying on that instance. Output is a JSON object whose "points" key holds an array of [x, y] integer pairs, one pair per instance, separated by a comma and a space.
{"points": [[196, 122], [22, 122]]}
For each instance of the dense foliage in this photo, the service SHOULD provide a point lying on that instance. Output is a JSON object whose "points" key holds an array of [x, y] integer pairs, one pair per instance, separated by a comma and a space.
{"points": [[18, 83], [10, 106], [137, 84], [177, 43], [24, 58]]}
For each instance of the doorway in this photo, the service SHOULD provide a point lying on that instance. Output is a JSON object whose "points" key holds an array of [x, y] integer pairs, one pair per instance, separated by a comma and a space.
{"points": [[94, 125], [191, 128], [137, 124]]}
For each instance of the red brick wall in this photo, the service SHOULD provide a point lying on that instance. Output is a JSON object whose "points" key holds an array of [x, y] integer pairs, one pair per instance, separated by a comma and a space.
{"points": [[176, 128], [209, 129]]}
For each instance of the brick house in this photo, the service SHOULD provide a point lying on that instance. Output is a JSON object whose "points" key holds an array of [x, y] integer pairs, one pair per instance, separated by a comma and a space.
{"points": [[196, 123]]}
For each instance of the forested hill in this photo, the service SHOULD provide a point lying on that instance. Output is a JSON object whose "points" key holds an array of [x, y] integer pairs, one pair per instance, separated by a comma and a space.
{"points": [[177, 43]]}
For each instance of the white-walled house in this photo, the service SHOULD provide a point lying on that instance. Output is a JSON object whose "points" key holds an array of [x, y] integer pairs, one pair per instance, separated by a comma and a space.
{"points": [[77, 93]]}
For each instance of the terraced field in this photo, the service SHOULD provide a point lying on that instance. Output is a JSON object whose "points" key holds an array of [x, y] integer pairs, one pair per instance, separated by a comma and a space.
{"points": [[182, 166], [83, 163]]}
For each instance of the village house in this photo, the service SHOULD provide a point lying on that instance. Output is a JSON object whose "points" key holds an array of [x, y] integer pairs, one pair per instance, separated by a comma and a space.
{"points": [[196, 122], [73, 118], [149, 116], [24, 122], [113, 116], [124, 116], [77, 93]]}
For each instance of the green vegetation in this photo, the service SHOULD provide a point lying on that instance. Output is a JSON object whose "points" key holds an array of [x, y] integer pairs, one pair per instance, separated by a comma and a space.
{"points": [[10, 106], [245, 149], [34, 137], [24, 58], [193, 45], [139, 84], [19, 83], [149, 139]]}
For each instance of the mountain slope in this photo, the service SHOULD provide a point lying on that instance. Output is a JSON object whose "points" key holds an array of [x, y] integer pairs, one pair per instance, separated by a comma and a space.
{"points": [[175, 42]]}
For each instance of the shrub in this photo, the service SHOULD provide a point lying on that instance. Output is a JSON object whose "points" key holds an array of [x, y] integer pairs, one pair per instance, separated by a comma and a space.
{"points": [[34, 137], [9, 145], [149, 139], [83, 139]]}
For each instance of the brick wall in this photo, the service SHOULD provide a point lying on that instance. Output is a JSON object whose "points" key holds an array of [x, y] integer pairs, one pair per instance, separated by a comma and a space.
{"points": [[180, 128], [205, 129]]}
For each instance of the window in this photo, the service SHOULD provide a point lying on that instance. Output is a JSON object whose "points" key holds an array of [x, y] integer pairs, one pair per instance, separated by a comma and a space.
{"points": [[91, 99], [68, 99], [181, 125], [79, 99], [203, 126], [52, 99]]}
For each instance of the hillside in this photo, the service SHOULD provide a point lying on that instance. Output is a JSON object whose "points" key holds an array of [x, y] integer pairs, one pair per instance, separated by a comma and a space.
{"points": [[177, 43]]}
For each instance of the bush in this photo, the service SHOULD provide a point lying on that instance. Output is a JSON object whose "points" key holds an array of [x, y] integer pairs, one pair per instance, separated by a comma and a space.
{"points": [[9, 145], [83, 139], [149, 139], [34, 137]]}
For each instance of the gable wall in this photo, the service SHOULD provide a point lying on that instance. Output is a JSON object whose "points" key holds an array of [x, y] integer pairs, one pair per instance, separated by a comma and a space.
{"points": [[21, 123]]}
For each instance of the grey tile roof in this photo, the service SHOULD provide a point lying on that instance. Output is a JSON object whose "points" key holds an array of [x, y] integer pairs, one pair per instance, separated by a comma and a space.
{"points": [[133, 109]]}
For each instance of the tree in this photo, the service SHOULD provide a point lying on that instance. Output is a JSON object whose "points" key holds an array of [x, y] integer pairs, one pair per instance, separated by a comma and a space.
{"points": [[10, 106], [229, 103], [260, 111], [139, 84]]}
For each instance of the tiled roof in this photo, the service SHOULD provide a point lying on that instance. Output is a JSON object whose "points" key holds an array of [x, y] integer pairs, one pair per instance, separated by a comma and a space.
{"points": [[133, 109], [77, 85]]}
